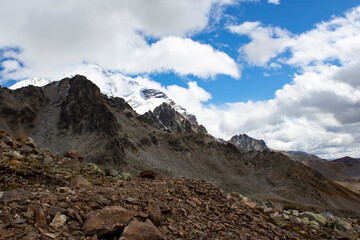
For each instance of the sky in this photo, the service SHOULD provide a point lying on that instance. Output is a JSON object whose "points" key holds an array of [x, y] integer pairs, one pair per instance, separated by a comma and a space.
{"points": [[285, 71]]}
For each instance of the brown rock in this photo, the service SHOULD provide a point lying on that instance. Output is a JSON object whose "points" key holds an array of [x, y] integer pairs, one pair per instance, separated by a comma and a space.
{"points": [[108, 220], [16, 195], [5, 219], [78, 182], [58, 220], [74, 155], [137, 230], [154, 211], [55, 209], [148, 174], [30, 142], [40, 218], [5, 234]]}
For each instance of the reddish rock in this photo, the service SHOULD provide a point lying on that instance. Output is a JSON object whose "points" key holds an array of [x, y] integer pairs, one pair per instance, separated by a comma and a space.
{"points": [[74, 155], [108, 220], [137, 230], [78, 182], [154, 211], [148, 174], [16, 195], [40, 219]]}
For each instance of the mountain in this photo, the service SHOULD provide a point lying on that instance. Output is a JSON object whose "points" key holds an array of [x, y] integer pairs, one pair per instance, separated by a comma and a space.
{"points": [[74, 114], [344, 169], [245, 143], [303, 157], [140, 93]]}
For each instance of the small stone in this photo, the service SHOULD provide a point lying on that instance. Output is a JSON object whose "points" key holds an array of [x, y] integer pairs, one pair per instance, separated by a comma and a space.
{"points": [[8, 140], [295, 213], [342, 225], [50, 235], [63, 189], [55, 209], [137, 230], [15, 155], [197, 201], [58, 220]]}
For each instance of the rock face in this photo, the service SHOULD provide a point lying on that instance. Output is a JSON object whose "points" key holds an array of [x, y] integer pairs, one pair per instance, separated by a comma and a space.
{"points": [[167, 118], [245, 143], [73, 114]]}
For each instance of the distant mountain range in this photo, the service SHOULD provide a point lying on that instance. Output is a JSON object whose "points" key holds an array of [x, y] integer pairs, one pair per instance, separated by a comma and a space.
{"points": [[74, 114]]}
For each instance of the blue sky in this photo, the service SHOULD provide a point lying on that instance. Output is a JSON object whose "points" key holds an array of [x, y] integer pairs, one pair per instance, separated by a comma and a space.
{"points": [[281, 70]]}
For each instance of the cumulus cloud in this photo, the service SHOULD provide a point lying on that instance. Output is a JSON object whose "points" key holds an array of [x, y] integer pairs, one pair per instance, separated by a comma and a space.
{"points": [[318, 112], [266, 42], [52, 35], [275, 2]]}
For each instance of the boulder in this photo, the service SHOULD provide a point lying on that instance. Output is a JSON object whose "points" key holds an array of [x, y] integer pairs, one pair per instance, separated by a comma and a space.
{"points": [[40, 219], [16, 195], [321, 220], [109, 220], [342, 225], [137, 230], [74, 155], [148, 174], [154, 212], [8, 140], [79, 181], [30, 142]]}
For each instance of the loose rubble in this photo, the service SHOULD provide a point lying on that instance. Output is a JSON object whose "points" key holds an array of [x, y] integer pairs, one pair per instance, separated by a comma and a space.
{"points": [[41, 198]]}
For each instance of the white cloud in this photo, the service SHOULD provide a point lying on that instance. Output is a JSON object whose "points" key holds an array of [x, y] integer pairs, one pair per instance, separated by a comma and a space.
{"points": [[53, 35], [9, 66], [318, 112], [275, 2], [266, 42]]}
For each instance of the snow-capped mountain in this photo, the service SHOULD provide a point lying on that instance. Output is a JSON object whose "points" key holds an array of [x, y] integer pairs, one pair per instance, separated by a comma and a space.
{"points": [[142, 94]]}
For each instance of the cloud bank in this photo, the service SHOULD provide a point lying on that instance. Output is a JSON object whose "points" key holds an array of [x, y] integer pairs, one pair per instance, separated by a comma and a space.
{"points": [[50, 36]]}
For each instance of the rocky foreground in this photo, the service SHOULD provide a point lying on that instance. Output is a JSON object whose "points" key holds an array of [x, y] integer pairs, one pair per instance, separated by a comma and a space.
{"points": [[43, 196]]}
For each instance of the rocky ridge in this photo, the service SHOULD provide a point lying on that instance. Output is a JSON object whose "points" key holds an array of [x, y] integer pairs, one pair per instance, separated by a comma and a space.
{"points": [[48, 196], [245, 143]]}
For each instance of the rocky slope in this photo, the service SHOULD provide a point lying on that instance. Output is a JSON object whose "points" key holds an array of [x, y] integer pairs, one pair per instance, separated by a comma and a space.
{"points": [[51, 196], [303, 157], [73, 114], [344, 169]]}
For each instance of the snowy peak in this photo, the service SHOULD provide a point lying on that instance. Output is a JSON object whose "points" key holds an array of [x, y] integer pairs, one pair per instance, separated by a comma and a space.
{"points": [[141, 94], [37, 82]]}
